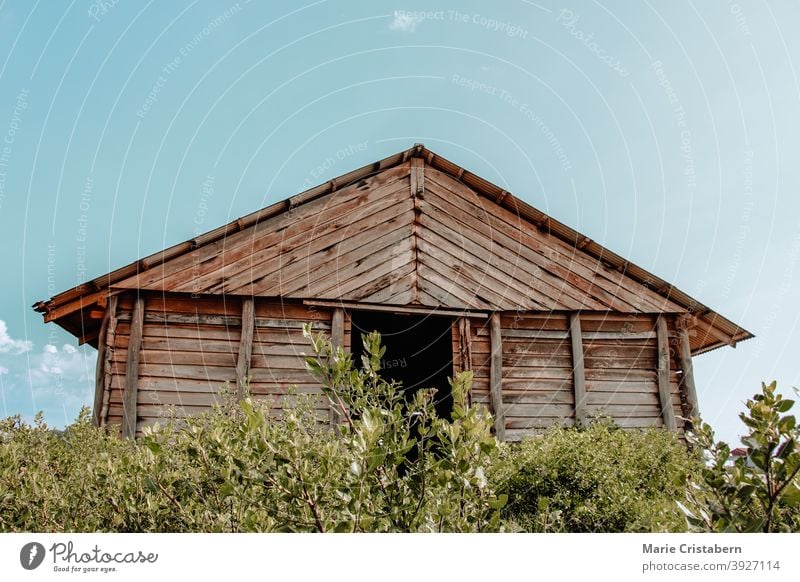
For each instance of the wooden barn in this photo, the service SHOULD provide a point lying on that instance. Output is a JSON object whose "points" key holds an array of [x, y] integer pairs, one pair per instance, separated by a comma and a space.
{"points": [[455, 272]]}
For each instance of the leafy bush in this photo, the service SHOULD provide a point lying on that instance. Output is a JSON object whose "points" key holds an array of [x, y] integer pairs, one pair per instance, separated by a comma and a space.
{"points": [[392, 465], [78, 480], [595, 479], [759, 491]]}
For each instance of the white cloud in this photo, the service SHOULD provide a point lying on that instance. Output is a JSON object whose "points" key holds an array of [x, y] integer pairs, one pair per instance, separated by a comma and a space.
{"points": [[53, 378], [55, 370], [404, 22], [57, 377], [52, 363], [11, 345]]}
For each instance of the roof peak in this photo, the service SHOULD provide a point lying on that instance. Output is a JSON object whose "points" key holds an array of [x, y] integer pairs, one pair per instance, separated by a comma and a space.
{"points": [[83, 296]]}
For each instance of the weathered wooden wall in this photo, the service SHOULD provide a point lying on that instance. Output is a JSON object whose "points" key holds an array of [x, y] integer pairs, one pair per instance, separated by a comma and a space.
{"points": [[540, 370], [621, 355], [480, 348], [533, 370], [279, 349], [190, 349], [476, 254], [537, 372]]}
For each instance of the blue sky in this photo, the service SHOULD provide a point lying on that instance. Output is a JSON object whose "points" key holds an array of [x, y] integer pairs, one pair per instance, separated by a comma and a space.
{"points": [[668, 132]]}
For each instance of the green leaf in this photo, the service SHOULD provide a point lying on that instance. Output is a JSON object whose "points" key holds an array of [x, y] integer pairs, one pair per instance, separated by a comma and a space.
{"points": [[499, 502]]}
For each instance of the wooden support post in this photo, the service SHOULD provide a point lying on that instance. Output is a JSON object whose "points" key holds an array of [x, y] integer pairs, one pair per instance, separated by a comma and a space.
{"points": [[464, 359], [465, 341], [108, 355], [578, 372], [97, 407], [496, 377], [687, 381], [337, 328], [245, 346], [667, 411], [417, 192], [417, 176], [337, 339], [130, 396]]}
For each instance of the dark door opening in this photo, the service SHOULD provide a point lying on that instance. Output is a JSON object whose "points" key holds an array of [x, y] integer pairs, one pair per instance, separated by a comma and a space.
{"points": [[419, 351]]}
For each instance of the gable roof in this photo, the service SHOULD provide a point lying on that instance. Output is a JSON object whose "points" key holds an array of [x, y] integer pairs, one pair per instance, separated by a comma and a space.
{"points": [[411, 229]]}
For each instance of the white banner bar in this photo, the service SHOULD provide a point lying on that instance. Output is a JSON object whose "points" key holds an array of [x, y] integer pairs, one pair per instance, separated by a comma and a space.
{"points": [[410, 557]]}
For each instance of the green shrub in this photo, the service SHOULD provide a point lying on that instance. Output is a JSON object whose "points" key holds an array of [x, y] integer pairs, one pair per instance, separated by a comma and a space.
{"points": [[75, 480], [595, 479], [392, 465], [759, 491]]}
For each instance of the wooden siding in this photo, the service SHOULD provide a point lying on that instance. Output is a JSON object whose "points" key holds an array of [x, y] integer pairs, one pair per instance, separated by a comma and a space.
{"points": [[278, 370], [404, 237], [622, 370], [538, 389], [481, 360], [353, 244], [494, 258], [190, 348]]}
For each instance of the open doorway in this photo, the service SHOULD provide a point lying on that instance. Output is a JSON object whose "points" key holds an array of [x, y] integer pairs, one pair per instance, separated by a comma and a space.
{"points": [[419, 351]]}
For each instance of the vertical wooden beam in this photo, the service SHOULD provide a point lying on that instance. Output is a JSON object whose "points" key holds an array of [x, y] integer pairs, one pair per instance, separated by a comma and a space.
{"points": [[466, 345], [667, 411], [687, 380], [464, 349], [578, 371], [99, 371], [111, 334], [417, 191], [417, 176], [457, 341], [337, 339], [129, 398], [337, 328], [496, 377], [245, 346]]}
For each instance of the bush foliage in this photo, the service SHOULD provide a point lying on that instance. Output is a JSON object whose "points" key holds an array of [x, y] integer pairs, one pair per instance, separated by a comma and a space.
{"points": [[597, 479], [393, 465], [757, 491]]}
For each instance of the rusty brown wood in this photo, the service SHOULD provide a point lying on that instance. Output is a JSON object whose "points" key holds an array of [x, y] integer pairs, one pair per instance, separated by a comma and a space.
{"points": [[579, 375], [245, 346], [530, 253], [130, 396], [266, 238], [364, 306], [337, 341], [496, 377], [417, 193], [687, 378], [108, 358], [465, 332], [100, 367], [78, 304], [667, 407]]}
